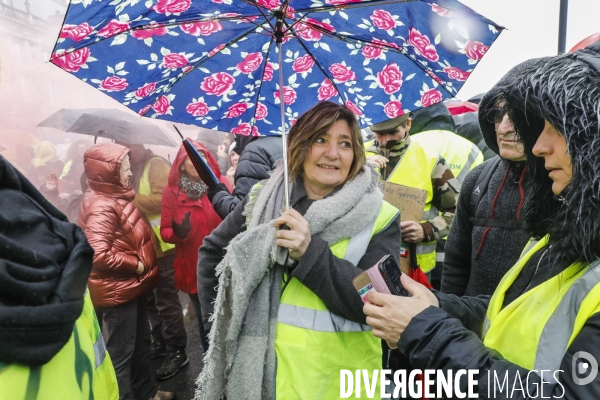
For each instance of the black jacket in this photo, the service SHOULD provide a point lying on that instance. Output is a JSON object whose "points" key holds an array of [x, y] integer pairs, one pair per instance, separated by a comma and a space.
{"points": [[448, 338], [478, 257], [255, 163], [327, 276]]}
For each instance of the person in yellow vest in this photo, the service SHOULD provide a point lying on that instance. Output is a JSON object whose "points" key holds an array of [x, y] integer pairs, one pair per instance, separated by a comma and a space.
{"points": [[433, 128], [292, 286], [150, 175], [403, 161], [50, 342], [541, 327]]}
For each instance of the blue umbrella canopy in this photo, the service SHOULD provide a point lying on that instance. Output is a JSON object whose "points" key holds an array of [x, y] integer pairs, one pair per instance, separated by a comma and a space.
{"points": [[215, 63]]}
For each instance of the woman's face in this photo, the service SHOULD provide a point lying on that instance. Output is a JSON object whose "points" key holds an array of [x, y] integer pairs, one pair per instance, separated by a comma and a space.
{"points": [[125, 172], [234, 158], [552, 146], [329, 160], [189, 168]]}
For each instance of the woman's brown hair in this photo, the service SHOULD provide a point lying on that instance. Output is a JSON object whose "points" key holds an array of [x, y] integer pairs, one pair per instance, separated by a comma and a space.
{"points": [[315, 123]]}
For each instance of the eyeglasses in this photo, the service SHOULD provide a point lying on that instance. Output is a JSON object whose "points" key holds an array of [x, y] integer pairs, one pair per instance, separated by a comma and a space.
{"points": [[495, 115]]}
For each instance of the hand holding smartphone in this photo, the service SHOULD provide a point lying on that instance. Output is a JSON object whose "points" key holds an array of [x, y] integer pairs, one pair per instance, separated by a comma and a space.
{"points": [[383, 277]]}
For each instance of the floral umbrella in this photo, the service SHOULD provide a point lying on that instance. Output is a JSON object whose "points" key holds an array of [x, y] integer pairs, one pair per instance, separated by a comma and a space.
{"points": [[212, 63]]}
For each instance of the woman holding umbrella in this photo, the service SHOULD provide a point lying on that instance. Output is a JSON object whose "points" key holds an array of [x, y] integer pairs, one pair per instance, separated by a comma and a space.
{"points": [[542, 324], [187, 217], [287, 317]]}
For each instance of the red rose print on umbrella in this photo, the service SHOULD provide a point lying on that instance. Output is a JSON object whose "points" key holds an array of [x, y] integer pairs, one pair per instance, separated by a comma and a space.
{"points": [[236, 110], [383, 20], [326, 90], [155, 30], [113, 84], [303, 64], [390, 78], [162, 105], [174, 61], [197, 109], [76, 32], [217, 84], [289, 95], [354, 108], [250, 64], [393, 109], [341, 73], [72, 61], [431, 96], [475, 50], [172, 6], [261, 111], [145, 90], [205, 28], [245, 130], [113, 28], [456, 73], [422, 45]]}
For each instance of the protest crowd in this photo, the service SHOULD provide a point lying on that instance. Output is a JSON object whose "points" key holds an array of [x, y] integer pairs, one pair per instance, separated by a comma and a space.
{"points": [[435, 240]]}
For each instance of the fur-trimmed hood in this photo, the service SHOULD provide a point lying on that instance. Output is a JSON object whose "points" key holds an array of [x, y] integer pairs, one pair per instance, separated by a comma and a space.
{"points": [[565, 91]]}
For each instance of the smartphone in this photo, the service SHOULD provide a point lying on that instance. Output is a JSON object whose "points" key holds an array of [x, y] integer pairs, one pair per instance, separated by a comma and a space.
{"points": [[390, 271]]}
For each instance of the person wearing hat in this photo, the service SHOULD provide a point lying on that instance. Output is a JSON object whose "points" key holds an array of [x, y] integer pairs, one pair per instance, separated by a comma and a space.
{"points": [[407, 163]]}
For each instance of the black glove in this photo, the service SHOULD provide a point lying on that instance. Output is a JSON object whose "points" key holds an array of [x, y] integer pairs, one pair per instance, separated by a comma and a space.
{"points": [[181, 230], [219, 188]]}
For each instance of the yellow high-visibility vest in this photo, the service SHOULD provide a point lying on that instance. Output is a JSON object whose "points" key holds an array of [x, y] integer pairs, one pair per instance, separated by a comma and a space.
{"points": [[537, 328], [414, 170], [153, 219], [81, 370], [312, 344]]}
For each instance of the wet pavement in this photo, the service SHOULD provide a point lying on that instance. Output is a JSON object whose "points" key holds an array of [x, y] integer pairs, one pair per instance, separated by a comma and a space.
{"points": [[183, 384]]}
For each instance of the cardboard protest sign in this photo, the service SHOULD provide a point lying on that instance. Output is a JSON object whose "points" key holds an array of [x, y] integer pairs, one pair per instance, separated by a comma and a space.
{"points": [[411, 203]]}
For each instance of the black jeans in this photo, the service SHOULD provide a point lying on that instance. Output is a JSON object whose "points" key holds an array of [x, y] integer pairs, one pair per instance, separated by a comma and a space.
{"points": [[198, 310], [127, 336], [164, 308]]}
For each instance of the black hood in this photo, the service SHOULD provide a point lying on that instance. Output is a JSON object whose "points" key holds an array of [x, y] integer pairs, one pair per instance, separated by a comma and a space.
{"points": [[435, 117], [45, 262], [491, 98], [565, 91]]}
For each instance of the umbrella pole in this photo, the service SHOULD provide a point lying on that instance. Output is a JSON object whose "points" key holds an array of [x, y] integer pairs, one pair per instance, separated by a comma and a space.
{"points": [[283, 133]]}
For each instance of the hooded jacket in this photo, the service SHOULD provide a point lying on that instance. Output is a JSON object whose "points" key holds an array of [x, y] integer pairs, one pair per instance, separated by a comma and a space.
{"points": [[203, 218], [45, 262], [256, 161], [477, 257], [116, 231], [565, 91]]}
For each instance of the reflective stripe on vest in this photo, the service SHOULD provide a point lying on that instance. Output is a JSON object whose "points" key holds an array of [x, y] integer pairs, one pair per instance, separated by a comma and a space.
{"points": [[460, 154], [99, 351], [153, 219], [80, 370], [317, 320], [536, 329]]}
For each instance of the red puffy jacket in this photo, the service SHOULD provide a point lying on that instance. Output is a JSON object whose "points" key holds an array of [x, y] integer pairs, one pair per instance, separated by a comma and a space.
{"points": [[116, 231], [203, 218]]}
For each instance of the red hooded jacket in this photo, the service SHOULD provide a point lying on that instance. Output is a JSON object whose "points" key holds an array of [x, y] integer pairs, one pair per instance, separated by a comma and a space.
{"points": [[115, 230], [203, 218]]}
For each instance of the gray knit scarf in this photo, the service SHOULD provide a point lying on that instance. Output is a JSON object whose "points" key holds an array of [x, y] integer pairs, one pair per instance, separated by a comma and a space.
{"points": [[241, 362]]}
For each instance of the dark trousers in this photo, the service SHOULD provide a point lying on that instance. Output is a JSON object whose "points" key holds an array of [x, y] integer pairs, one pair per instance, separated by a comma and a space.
{"points": [[198, 310], [164, 308], [127, 335]]}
